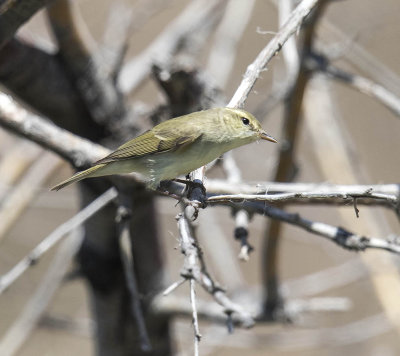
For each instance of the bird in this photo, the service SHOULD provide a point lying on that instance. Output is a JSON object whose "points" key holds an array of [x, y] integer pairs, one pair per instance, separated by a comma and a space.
{"points": [[178, 146]]}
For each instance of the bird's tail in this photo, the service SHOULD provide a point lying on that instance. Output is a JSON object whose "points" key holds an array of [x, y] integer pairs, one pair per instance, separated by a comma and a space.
{"points": [[90, 172]]}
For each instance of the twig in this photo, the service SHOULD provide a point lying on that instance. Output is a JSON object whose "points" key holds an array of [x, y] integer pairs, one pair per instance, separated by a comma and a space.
{"points": [[274, 46], [309, 197], [219, 186], [341, 236], [78, 151], [123, 219], [197, 335], [17, 334], [14, 14], [192, 269], [173, 286], [10, 277]]}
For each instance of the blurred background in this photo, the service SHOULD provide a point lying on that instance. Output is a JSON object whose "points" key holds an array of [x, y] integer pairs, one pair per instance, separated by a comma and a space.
{"points": [[361, 37]]}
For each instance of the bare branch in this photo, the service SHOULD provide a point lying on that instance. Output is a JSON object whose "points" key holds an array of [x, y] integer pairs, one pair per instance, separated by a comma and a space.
{"points": [[17, 334], [48, 242], [124, 213], [78, 151], [385, 194], [192, 269], [310, 197], [341, 236], [14, 14], [197, 335], [274, 46]]}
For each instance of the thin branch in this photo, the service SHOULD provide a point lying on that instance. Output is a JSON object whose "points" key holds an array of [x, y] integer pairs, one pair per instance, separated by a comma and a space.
{"points": [[193, 270], [274, 46], [80, 152], [18, 333], [310, 197], [48, 242], [14, 14], [173, 286], [197, 335], [341, 236], [219, 186], [123, 219]]}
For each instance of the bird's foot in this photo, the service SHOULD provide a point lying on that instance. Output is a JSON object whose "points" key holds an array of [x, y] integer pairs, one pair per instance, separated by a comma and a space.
{"points": [[195, 190]]}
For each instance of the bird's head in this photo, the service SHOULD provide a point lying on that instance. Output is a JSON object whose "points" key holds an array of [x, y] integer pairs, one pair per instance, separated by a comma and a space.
{"points": [[245, 126]]}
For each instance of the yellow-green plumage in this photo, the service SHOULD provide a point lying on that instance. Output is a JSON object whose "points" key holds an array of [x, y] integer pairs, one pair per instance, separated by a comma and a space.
{"points": [[178, 146]]}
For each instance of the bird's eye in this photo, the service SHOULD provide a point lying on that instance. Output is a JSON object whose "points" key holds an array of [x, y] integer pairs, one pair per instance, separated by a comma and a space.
{"points": [[245, 120]]}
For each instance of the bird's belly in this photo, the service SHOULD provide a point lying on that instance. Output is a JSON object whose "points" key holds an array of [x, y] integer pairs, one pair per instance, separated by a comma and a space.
{"points": [[172, 164]]}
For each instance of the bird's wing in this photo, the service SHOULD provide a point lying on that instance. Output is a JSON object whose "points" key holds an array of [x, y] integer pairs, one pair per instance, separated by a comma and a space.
{"points": [[151, 142]]}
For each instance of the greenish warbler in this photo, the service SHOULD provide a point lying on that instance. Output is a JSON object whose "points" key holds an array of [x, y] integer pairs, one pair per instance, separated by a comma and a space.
{"points": [[178, 146]]}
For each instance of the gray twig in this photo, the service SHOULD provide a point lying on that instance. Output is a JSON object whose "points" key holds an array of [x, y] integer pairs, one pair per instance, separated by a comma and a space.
{"points": [[123, 219], [339, 235], [193, 270], [274, 46], [195, 320], [17, 334], [33, 257]]}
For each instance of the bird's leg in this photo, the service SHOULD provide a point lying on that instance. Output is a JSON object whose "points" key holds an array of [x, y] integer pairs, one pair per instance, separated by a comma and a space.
{"points": [[163, 189], [195, 189]]}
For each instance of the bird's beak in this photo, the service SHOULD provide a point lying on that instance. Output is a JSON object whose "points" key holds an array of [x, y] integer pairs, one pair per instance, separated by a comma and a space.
{"points": [[265, 136]]}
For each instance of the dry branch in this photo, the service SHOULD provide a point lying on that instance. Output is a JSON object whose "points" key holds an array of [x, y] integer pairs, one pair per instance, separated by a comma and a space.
{"points": [[312, 197], [17, 334], [14, 14], [48, 242], [74, 149], [193, 270], [274, 46], [341, 236]]}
